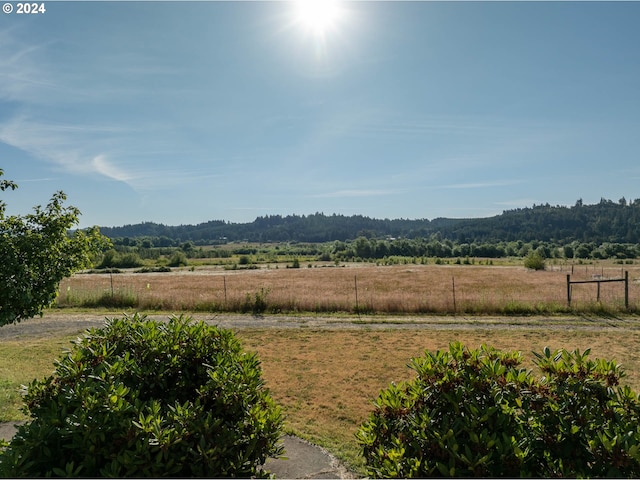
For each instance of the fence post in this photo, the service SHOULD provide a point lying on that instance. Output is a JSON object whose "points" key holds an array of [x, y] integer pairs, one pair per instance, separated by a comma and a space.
{"points": [[355, 281], [453, 285], [626, 289], [569, 289], [224, 279]]}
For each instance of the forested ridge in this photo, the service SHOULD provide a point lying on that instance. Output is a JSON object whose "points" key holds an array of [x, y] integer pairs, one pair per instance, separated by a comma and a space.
{"points": [[606, 221]]}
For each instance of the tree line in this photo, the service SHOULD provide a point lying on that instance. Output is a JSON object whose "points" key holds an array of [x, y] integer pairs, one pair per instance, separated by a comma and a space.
{"points": [[604, 222]]}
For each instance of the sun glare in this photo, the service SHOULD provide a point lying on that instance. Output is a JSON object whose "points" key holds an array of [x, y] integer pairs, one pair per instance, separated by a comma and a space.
{"points": [[318, 16]]}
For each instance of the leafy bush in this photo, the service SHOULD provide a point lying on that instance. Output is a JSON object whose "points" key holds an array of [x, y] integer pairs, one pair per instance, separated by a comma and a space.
{"points": [[258, 303], [161, 269], [146, 398], [534, 261], [178, 259], [103, 270], [479, 413], [113, 259]]}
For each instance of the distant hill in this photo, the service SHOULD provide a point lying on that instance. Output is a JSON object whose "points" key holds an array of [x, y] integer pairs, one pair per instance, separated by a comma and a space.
{"points": [[606, 221]]}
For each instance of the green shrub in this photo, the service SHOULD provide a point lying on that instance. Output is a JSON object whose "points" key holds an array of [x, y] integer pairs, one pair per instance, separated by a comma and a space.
{"points": [[257, 303], [160, 269], [178, 259], [534, 261], [130, 260], [120, 298], [113, 259], [147, 399], [479, 413], [103, 270]]}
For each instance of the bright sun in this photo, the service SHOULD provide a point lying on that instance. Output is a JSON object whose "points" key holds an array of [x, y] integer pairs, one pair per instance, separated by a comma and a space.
{"points": [[318, 16]]}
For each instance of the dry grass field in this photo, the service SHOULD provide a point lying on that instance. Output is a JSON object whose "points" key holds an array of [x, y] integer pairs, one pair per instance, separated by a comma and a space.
{"points": [[326, 380], [411, 288]]}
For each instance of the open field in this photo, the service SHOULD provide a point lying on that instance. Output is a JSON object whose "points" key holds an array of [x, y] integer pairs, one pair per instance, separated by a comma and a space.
{"points": [[326, 381], [326, 374], [325, 364], [411, 288]]}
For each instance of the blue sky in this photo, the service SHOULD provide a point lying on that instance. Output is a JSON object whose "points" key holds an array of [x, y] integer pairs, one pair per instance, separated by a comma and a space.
{"points": [[184, 112]]}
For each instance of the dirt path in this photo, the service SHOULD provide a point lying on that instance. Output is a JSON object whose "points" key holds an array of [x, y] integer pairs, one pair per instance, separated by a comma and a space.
{"points": [[60, 322]]}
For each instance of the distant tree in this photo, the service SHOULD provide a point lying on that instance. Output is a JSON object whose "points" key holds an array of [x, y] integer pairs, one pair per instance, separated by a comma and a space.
{"points": [[110, 259], [362, 247], [178, 259], [544, 251], [36, 253], [568, 251], [534, 261], [583, 251]]}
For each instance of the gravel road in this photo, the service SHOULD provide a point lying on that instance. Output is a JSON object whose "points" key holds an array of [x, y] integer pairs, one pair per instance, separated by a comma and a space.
{"points": [[60, 322]]}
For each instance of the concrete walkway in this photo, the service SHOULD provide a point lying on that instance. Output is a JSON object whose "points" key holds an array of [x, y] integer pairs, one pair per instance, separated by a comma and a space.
{"points": [[7, 430], [306, 460], [302, 459]]}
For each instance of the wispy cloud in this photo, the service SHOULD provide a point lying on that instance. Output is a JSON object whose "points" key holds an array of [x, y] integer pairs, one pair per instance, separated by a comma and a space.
{"points": [[354, 193], [428, 125], [72, 148], [504, 183], [101, 165], [34, 180], [96, 150], [25, 77], [31, 85]]}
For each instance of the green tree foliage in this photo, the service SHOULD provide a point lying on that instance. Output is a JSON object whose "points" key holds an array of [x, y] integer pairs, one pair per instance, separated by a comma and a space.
{"points": [[142, 398], [480, 413], [178, 259], [534, 261], [603, 230], [115, 259], [606, 221], [36, 253]]}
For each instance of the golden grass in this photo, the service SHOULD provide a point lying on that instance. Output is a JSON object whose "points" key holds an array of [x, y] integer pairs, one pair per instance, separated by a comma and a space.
{"points": [[381, 289], [326, 380]]}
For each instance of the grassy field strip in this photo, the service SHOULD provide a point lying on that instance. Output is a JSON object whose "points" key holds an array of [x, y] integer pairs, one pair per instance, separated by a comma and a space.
{"points": [[435, 289]]}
